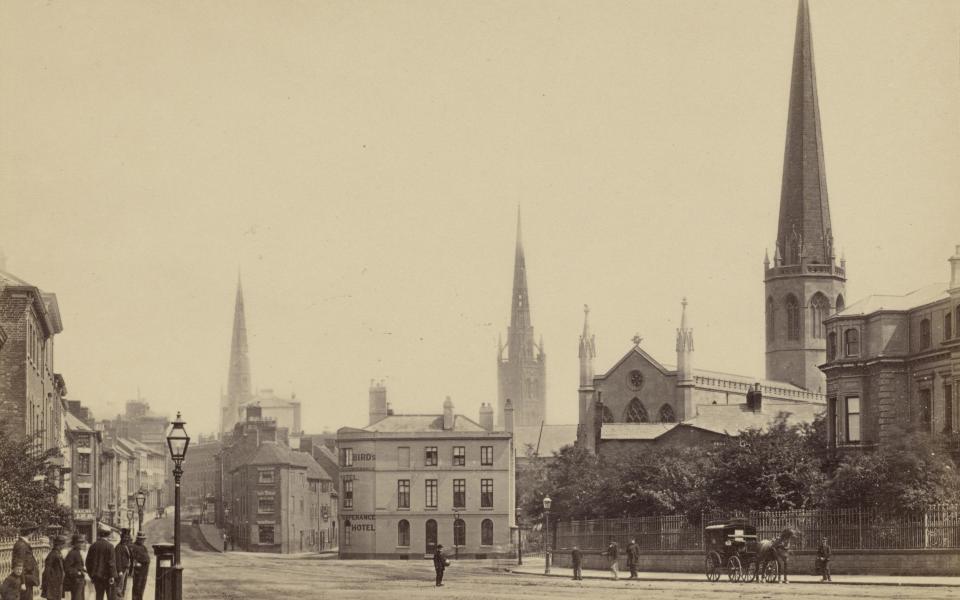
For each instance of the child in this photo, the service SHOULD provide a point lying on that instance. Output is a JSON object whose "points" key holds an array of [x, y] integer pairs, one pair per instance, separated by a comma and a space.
{"points": [[11, 586]]}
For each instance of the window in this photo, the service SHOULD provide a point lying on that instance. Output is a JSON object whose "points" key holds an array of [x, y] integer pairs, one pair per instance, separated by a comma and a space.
{"points": [[819, 310], [265, 505], [924, 334], [635, 412], [83, 498], [430, 497], [947, 326], [793, 318], [403, 493], [770, 322], [265, 534], [403, 533], [486, 532], [348, 493], [606, 416], [832, 345], [430, 456], [667, 415], [459, 533], [346, 457], [346, 532], [486, 493], [459, 456], [851, 340], [925, 409], [265, 476], [459, 493], [486, 455], [948, 408], [403, 457], [83, 463], [853, 419]]}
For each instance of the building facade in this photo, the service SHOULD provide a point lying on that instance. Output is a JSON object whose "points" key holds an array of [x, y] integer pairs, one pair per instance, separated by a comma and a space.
{"points": [[521, 363], [82, 481], [409, 482], [893, 362]]}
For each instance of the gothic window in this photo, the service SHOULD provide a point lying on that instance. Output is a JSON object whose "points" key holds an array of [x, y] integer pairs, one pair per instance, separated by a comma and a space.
{"points": [[770, 333], [851, 340], [819, 310], [840, 304], [636, 413], [793, 317], [607, 416], [924, 334], [667, 415]]}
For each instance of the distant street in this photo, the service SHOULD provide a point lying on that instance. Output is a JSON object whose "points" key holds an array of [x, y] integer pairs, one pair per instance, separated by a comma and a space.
{"points": [[245, 576]]}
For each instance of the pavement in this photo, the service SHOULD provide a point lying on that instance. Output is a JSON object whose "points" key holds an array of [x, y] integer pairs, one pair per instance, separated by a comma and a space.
{"points": [[535, 566]]}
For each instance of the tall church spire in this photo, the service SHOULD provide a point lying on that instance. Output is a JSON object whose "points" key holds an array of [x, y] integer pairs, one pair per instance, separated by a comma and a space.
{"points": [[520, 310], [588, 351], [238, 378], [804, 232]]}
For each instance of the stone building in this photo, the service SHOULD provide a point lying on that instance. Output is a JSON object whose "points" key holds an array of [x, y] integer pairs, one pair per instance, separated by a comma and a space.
{"points": [[521, 363], [201, 474], [409, 482], [893, 362], [82, 455]]}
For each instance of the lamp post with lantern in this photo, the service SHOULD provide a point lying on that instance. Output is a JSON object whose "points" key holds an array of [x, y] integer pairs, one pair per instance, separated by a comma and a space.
{"points": [[141, 500], [177, 441], [547, 502]]}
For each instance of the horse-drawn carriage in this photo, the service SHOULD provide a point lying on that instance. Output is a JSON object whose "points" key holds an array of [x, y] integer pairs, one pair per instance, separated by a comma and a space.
{"points": [[732, 547]]}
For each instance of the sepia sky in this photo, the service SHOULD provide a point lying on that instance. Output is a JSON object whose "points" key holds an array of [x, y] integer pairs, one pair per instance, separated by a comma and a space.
{"points": [[362, 164]]}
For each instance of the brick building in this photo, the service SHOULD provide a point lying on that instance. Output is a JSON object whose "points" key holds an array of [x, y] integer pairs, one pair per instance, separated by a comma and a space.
{"points": [[895, 361], [201, 475], [409, 482], [82, 455]]}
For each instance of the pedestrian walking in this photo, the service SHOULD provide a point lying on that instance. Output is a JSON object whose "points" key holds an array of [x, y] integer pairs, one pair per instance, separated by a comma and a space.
{"points": [[633, 557], [23, 553], [74, 580], [122, 552], [613, 555], [13, 585], [440, 563], [140, 564], [576, 557], [51, 586], [102, 566], [823, 559]]}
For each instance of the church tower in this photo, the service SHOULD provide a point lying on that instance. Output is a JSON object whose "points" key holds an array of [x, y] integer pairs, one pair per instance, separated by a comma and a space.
{"points": [[522, 372], [804, 284], [238, 378]]}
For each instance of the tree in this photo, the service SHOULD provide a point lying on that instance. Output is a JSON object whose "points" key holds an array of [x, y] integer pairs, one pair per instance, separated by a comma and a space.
{"points": [[26, 493]]}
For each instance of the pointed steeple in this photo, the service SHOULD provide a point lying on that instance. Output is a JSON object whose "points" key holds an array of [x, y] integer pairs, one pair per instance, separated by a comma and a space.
{"points": [[588, 351], [238, 378], [521, 332], [804, 231]]}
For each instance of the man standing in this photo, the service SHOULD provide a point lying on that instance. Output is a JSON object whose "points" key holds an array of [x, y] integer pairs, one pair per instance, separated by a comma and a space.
{"points": [[140, 563], [23, 553], [633, 557], [823, 559], [439, 563], [102, 565], [613, 555], [122, 552], [576, 557], [73, 569], [51, 586]]}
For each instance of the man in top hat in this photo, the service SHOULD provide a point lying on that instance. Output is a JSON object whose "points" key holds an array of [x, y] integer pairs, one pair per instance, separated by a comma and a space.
{"points": [[123, 556], [102, 565], [73, 568], [141, 566], [23, 553], [440, 563], [51, 587]]}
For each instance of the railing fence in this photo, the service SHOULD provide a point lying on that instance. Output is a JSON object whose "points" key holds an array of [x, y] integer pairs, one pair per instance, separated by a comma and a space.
{"points": [[40, 545]]}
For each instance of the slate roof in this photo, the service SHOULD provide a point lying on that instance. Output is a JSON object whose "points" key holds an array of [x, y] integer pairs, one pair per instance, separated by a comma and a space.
{"points": [[634, 431], [75, 424], [731, 419], [916, 298], [422, 423], [553, 439]]}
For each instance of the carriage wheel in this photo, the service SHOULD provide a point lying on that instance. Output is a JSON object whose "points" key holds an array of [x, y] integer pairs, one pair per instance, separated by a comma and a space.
{"points": [[772, 572], [734, 569], [712, 566], [751, 573]]}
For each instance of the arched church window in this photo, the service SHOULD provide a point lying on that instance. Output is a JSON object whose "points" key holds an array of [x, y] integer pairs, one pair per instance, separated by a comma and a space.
{"points": [[793, 317], [636, 413], [607, 416], [819, 310], [667, 415], [770, 333]]}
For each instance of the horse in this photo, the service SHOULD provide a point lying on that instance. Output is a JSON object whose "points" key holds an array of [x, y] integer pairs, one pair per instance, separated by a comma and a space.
{"points": [[775, 550]]}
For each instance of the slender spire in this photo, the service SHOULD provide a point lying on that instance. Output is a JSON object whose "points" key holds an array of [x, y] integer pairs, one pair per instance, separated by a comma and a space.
{"points": [[521, 331], [238, 379], [588, 350], [684, 349], [804, 231]]}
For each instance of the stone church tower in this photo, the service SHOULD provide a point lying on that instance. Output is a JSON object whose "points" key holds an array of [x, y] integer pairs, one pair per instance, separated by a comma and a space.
{"points": [[521, 373], [239, 390], [804, 284]]}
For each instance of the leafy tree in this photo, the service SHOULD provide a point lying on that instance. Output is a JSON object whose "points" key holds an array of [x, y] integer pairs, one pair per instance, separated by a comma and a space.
{"points": [[26, 494]]}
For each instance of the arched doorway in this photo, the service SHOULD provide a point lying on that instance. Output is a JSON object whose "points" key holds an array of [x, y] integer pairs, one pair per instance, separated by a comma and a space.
{"points": [[431, 527]]}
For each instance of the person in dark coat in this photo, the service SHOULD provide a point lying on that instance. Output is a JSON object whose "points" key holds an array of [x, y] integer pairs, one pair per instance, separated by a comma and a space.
{"points": [[51, 586], [613, 555], [633, 557], [23, 553], [123, 557], [440, 563], [823, 559], [576, 557], [141, 566], [13, 585], [73, 568], [102, 565]]}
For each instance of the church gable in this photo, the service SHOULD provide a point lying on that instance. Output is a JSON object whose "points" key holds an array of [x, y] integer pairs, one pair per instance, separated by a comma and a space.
{"points": [[638, 389]]}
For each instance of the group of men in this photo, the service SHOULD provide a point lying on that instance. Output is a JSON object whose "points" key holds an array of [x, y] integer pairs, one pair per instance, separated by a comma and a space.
{"points": [[109, 568]]}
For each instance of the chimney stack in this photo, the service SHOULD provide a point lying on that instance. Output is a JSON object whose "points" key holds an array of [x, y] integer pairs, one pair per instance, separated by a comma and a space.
{"points": [[755, 398], [955, 272], [508, 416], [378, 401], [448, 414], [486, 416]]}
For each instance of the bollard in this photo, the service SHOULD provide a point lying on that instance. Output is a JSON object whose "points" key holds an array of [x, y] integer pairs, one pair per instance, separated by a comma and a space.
{"points": [[164, 554]]}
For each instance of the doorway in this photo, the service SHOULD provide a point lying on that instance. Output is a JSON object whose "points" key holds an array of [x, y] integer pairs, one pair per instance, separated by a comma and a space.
{"points": [[431, 536]]}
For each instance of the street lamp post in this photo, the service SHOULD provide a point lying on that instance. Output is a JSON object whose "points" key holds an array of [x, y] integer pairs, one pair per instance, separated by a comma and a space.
{"points": [[141, 499], [177, 441], [547, 502]]}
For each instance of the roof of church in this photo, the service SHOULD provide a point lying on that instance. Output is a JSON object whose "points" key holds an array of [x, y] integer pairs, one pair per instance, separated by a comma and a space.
{"points": [[552, 439], [421, 423], [925, 295]]}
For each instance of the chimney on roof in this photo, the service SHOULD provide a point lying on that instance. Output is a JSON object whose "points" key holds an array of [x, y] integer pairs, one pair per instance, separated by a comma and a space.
{"points": [[508, 416], [755, 398], [486, 416], [955, 272], [378, 401], [448, 413]]}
